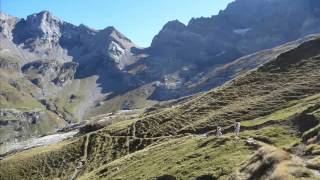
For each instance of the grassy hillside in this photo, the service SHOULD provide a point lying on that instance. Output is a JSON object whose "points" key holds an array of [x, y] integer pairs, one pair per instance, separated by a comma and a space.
{"points": [[292, 76], [278, 105], [19, 95], [16, 91], [15, 97], [53, 161], [134, 99]]}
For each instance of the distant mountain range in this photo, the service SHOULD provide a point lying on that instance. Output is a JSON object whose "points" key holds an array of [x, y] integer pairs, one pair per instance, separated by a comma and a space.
{"points": [[51, 69], [277, 104]]}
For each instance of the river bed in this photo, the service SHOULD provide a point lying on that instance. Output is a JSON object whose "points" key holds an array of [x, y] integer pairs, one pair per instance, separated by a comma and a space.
{"points": [[13, 147]]}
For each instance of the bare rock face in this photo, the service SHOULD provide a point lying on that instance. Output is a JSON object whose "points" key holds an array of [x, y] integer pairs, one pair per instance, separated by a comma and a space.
{"points": [[245, 25], [17, 123], [192, 51], [9, 65], [40, 72], [180, 58], [44, 36], [62, 59], [52, 53], [40, 34], [7, 23], [40, 28]]}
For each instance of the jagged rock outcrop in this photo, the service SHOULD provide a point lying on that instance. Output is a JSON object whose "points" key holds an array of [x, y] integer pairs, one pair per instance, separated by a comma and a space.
{"points": [[275, 104], [53, 53], [99, 66], [41, 72], [272, 163], [9, 65], [7, 24], [192, 51], [17, 123]]}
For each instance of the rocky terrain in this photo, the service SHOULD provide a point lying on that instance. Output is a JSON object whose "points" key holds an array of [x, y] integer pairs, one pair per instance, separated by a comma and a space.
{"points": [[277, 105], [101, 107], [74, 72], [11, 148], [193, 51]]}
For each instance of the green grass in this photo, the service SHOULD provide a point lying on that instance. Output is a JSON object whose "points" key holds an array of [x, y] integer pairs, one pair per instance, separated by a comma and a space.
{"points": [[13, 98], [279, 136], [56, 160], [257, 97], [295, 108], [277, 91], [136, 99], [48, 124], [80, 89], [119, 126], [185, 158], [190, 157]]}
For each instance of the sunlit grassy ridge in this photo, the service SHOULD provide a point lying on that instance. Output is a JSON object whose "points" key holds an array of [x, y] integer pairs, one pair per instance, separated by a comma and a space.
{"points": [[185, 157], [56, 160], [272, 87], [11, 97], [192, 156], [278, 105], [296, 107], [19, 95]]}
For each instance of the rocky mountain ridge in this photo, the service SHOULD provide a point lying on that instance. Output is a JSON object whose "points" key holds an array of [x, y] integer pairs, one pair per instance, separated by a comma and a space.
{"points": [[75, 72], [277, 104], [244, 27]]}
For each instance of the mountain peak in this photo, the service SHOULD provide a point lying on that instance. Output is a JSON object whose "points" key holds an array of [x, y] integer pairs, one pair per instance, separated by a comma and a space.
{"points": [[45, 12], [114, 33], [43, 16], [168, 32], [44, 25], [174, 25], [109, 30], [7, 23], [85, 27], [4, 16]]}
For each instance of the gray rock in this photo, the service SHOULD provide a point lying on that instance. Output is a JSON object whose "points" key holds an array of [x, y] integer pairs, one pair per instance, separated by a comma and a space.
{"points": [[50, 71], [62, 59]]}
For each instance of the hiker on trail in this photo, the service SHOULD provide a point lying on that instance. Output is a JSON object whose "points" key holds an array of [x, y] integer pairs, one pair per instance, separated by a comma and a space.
{"points": [[219, 133], [318, 138], [237, 128]]}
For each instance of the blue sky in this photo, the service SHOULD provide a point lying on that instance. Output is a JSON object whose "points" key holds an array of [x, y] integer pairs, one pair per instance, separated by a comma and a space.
{"points": [[139, 20]]}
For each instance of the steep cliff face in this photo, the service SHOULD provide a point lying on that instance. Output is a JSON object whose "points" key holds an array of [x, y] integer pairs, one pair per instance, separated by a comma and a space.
{"points": [[79, 71], [244, 27], [41, 72], [190, 52], [278, 105], [7, 24], [48, 37], [21, 114], [52, 53]]}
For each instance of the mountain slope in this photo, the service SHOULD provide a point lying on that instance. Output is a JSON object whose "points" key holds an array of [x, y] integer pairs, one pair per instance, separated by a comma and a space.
{"points": [[277, 104], [236, 101], [67, 70], [77, 72], [21, 114], [194, 50]]}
